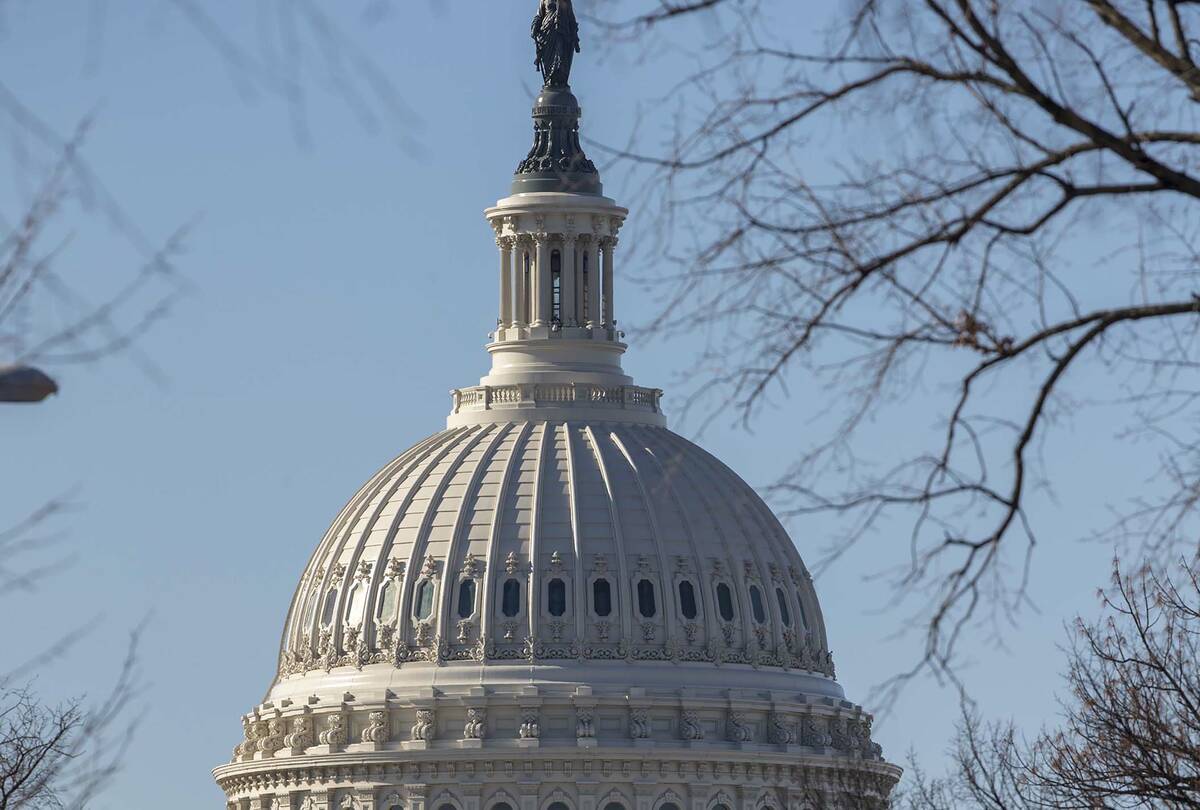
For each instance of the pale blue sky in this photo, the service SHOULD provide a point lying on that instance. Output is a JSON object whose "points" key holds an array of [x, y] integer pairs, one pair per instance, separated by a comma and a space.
{"points": [[339, 289]]}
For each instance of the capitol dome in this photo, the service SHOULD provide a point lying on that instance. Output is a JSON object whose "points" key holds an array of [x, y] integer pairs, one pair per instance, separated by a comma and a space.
{"points": [[556, 603]]}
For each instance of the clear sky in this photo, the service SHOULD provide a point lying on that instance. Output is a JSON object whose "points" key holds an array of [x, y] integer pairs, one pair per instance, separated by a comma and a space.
{"points": [[341, 281]]}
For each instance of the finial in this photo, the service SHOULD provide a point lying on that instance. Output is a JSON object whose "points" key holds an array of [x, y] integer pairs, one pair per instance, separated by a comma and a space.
{"points": [[556, 38]]}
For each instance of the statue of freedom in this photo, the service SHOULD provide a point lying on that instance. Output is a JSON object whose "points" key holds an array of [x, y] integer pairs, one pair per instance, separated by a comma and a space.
{"points": [[556, 36]]}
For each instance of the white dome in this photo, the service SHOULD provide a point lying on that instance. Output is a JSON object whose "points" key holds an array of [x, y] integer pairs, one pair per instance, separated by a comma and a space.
{"points": [[612, 542], [556, 603]]}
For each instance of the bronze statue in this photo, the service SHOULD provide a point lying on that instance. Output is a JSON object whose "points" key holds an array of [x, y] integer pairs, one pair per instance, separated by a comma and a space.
{"points": [[556, 36]]}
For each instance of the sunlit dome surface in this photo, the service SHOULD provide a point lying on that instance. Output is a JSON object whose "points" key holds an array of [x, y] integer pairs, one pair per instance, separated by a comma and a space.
{"points": [[557, 542]]}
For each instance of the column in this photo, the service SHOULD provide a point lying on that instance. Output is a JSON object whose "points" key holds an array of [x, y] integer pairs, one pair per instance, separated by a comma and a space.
{"points": [[569, 270], [520, 313], [593, 258], [506, 269], [541, 284], [609, 245]]}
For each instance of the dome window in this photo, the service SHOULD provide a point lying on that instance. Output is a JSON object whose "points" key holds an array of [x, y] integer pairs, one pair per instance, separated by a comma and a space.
{"points": [[510, 598], [423, 601], [556, 597], [327, 613], [354, 608], [646, 603], [314, 599], [502, 806], [558, 806], [687, 600], [756, 605], [389, 601], [466, 598], [668, 806], [614, 806], [784, 613], [725, 602], [602, 597]]}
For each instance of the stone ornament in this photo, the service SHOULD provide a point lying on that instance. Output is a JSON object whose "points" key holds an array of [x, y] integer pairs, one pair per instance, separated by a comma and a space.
{"points": [[639, 724], [272, 741], [424, 729], [301, 735], [584, 730], [376, 730], [689, 727], [529, 729], [738, 729], [779, 730], [335, 730], [476, 725]]}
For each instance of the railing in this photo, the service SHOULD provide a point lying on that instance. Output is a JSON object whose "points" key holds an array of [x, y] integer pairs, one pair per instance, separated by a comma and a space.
{"points": [[531, 395]]}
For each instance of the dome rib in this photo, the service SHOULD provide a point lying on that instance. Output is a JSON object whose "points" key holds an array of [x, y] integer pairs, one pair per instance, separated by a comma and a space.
{"points": [[576, 535], [454, 553], [405, 625], [520, 434], [664, 570], [625, 603]]}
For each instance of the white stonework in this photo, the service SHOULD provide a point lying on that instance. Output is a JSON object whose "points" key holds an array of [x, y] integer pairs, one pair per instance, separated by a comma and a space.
{"points": [[556, 603]]}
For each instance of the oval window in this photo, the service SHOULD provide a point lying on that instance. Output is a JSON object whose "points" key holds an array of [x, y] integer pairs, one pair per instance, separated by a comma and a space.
{"points": [[725, 602], [602, 597], [510, 598], [756, 605], [330, 608], [646, 603], [466, 598], [354, 610], [389, 600], [556, 597], [687, 600], [423, 601], [784, 613]]}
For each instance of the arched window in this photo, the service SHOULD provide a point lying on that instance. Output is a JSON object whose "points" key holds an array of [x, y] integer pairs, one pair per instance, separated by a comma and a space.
{"points": [[355, 605], [389, 601], [466, 598], [510, 598], [602, 597], [646, 604], [502, 806], [556, 287], [784, 613], [687, 600], [423, 600], [756, 605], [725, 602], [558, 806], [330, 608], [614, 806], [556, 597]]}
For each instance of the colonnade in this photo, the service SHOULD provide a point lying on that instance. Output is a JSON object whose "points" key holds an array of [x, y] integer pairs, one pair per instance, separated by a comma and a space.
{"points": [[556, 280]]}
